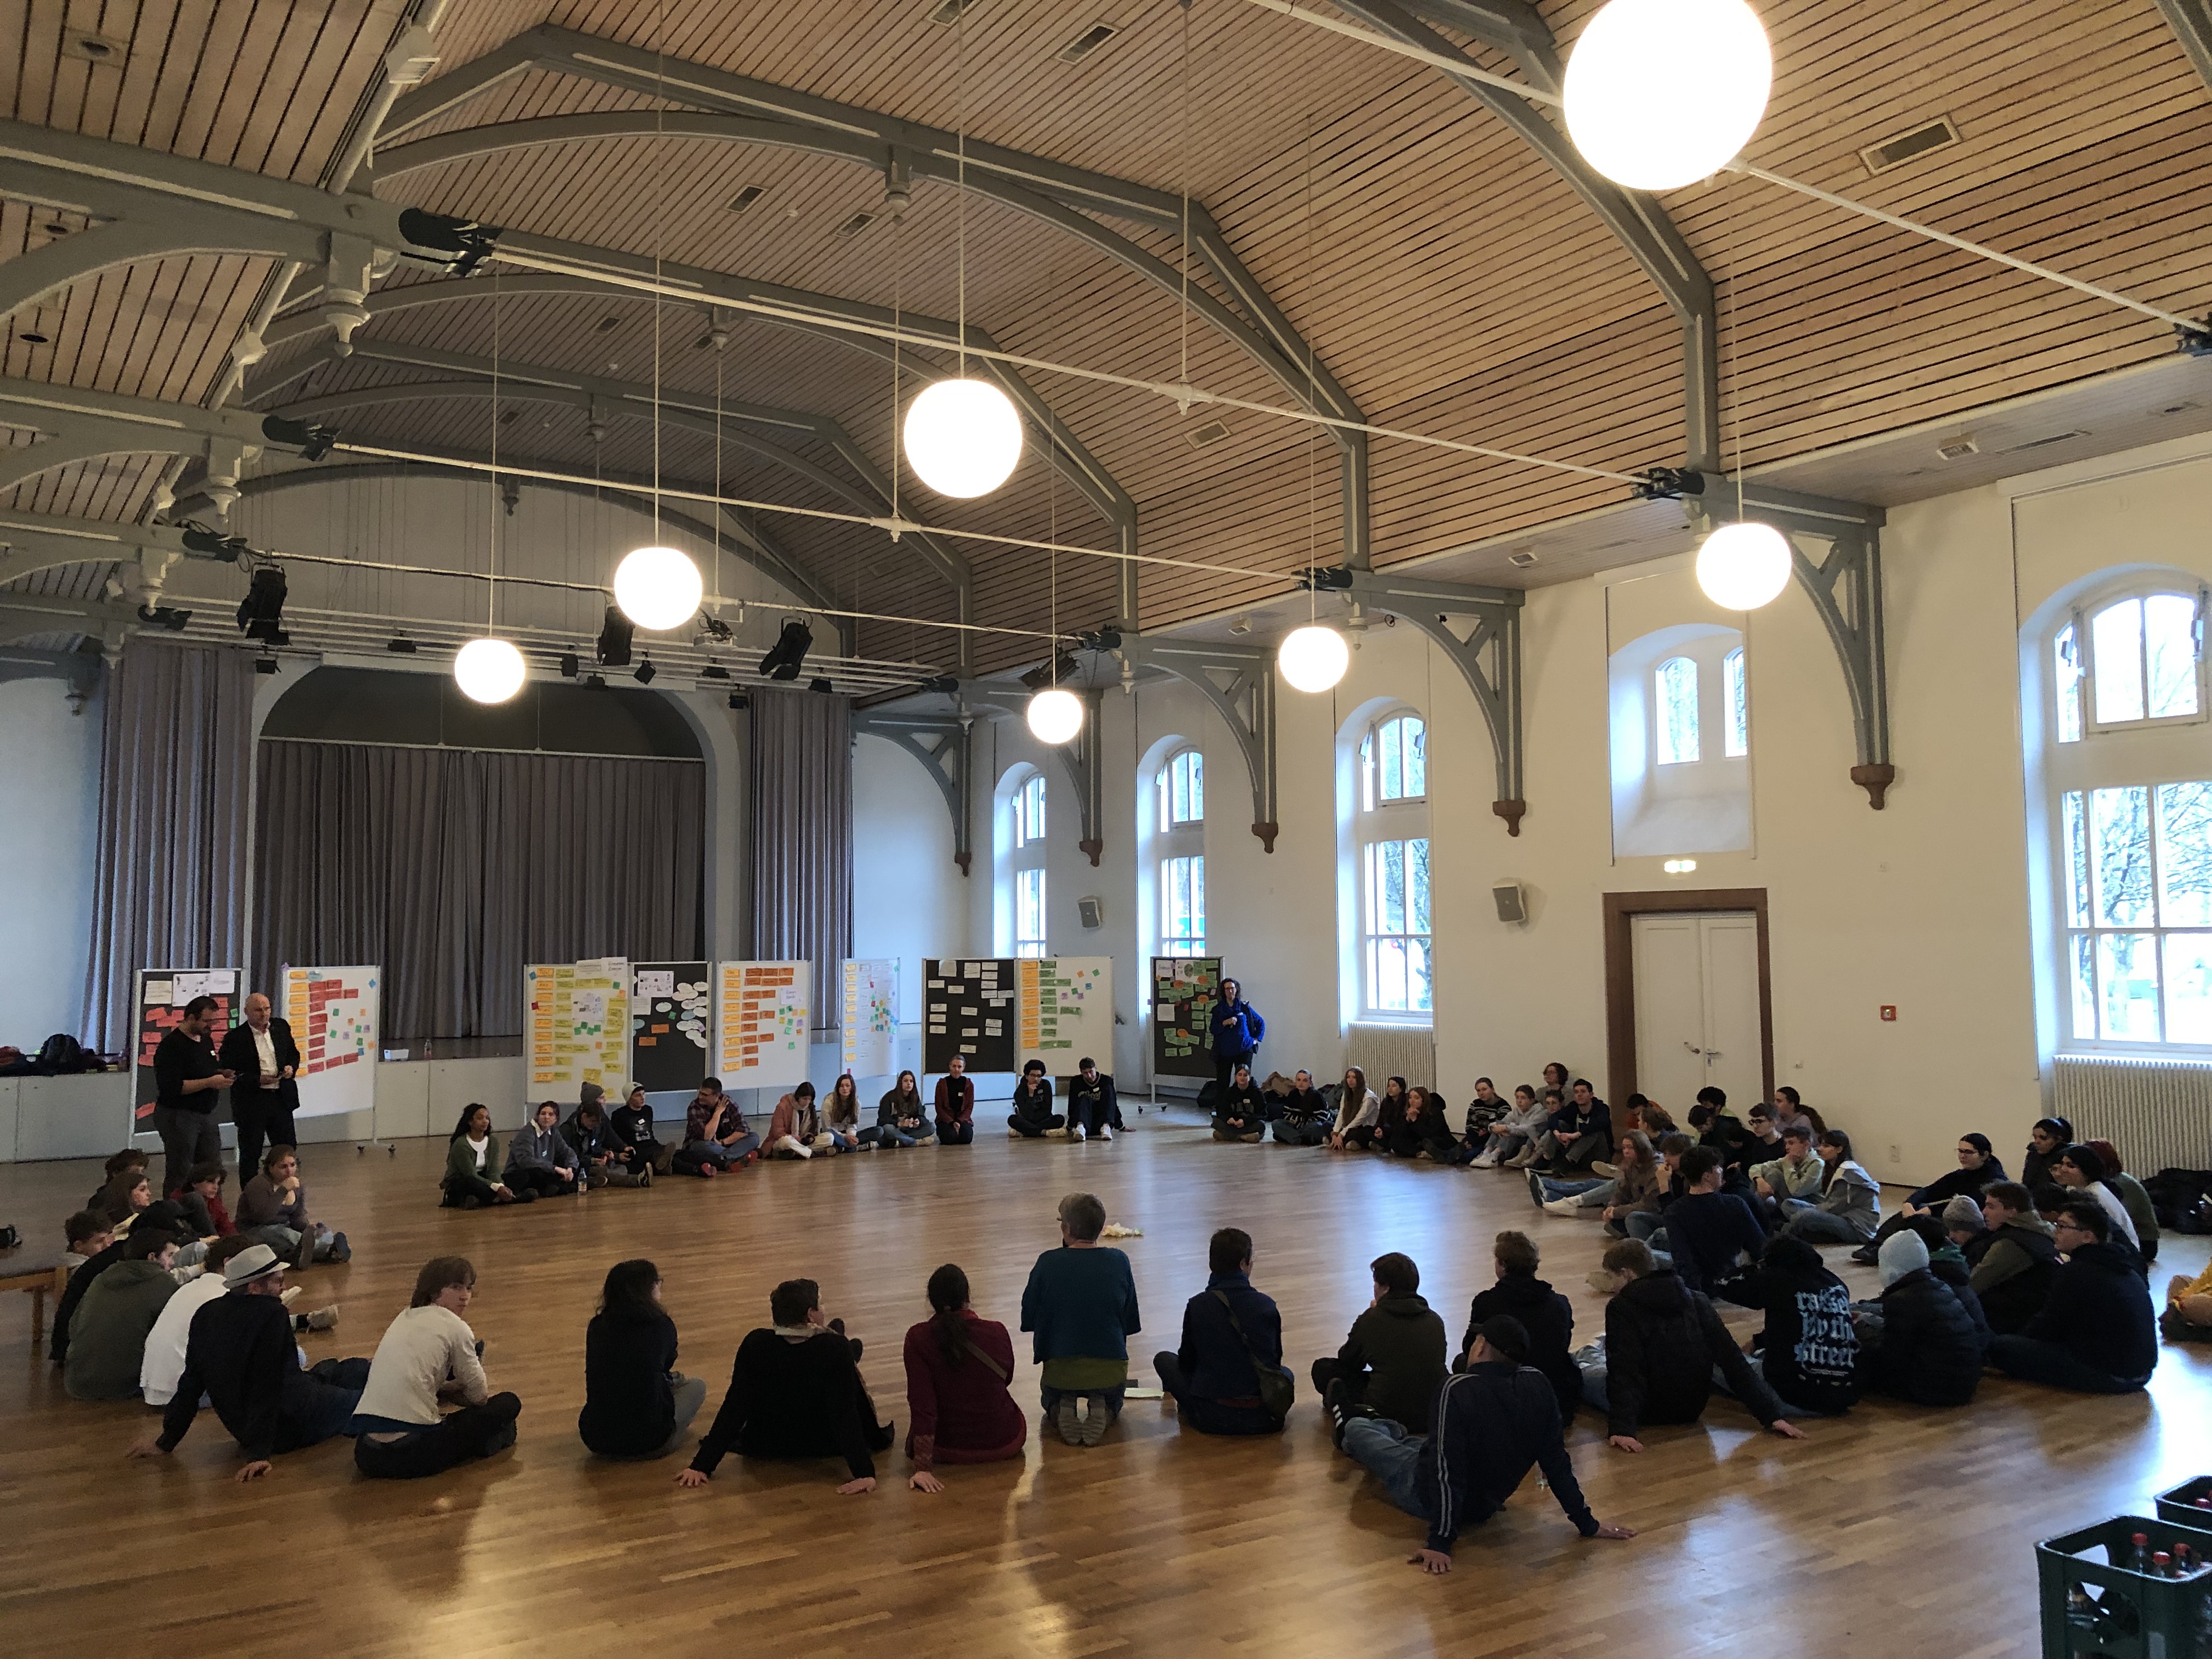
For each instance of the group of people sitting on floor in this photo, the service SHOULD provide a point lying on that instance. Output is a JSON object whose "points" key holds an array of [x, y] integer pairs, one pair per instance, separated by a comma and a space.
{"points": [[553, 1157]]}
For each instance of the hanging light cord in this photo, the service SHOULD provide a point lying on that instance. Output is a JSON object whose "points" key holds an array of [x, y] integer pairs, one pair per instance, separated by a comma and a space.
{"points": [[1461, 67], [491, 553]]}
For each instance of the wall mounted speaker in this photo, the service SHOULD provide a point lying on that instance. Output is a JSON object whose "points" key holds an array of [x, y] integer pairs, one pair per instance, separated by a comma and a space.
{"points": [[1511, 905], [1091, 911]]}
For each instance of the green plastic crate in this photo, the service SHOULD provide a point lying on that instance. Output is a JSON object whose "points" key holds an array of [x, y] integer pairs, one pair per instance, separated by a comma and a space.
{"points": [[2179, 1505], [2126, 1614]]}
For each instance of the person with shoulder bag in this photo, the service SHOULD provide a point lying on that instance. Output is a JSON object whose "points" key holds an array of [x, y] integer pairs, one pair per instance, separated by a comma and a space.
{"points": [[1228, 1377]]}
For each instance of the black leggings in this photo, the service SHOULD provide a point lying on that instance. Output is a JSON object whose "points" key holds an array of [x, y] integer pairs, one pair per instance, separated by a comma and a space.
{"points": [[469, 1186], [1034, 1128], [471, 1432], [954, 1135], [526, 1184]]}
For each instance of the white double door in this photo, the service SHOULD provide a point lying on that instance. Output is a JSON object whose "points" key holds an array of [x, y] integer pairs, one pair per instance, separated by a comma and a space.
{"points": [[1697, 1008]]}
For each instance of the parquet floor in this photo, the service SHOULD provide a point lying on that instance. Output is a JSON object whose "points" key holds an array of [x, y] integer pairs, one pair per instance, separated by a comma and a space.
{"points": [[1893, 1532]]}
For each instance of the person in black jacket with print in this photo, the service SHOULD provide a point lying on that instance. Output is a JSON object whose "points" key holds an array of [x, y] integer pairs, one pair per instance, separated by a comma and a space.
{"points": [[1545, 1315], [1808, 1351], [633, 1122], [636, 1403], [1492, 1423], [1918, 1342], [1662, 1340], [2098, 1333]]}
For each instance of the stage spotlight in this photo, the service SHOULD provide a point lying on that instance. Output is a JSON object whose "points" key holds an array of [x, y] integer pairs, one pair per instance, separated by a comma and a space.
{"points": [[739, 700], [644, 671], [713, 670], [400, 643], [264, 664], [786, 656], [569, 665], [820, 684], [261, 612], [614, 635]]}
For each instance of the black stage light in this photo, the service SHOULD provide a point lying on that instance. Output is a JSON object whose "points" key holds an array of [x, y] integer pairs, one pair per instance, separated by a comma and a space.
{"points": [[739, 700], [261, 612], [713, 670], [614, 635], [204, 543], [945, 685], [400, 643], [264, 664], [164, 616], [569, 665], [599, 680], [822, 685], [644, 671], [784, 658], [312, 441], [1056, 672]]}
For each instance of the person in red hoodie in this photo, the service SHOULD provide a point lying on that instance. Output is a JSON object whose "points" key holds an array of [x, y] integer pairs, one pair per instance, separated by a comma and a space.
{"points": [[955, 1105], [958, 1367]]}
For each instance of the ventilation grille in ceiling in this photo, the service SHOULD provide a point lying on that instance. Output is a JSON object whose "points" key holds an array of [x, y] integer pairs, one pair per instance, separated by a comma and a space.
{"points": [[745, 198], [1958, 449], [608, 325], [854, 226], [949, 12], [1212, 433], [1087, 42], [1895, 152], [2055, 438]]}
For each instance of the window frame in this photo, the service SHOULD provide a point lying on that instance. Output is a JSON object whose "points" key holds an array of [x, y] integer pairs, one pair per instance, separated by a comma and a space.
{"points": [[1029, 819], [1735, 705], [1191, 764], [1661, 703], [1190, 939], [2080, 622], [1036, 944], [1381, 822]]}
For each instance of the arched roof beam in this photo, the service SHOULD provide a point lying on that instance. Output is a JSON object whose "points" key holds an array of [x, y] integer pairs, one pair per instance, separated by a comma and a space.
{"points": [[1636, 218]]}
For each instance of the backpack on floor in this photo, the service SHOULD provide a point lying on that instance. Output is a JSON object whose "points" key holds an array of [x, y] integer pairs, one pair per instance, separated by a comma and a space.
{"points": [[2180, 1197], [61, 1055]]}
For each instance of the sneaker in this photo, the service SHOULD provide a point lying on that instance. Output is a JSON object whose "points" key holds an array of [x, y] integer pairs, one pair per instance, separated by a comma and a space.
{"points": [[1536, 1194], [1075, 1132], [1605, 1171], [322, 1319], [645, 1177], [1487, 1161], [1867, 1256], [1097, 1417], [339, 1250], [1105, 1134], [1065, 1419], [1563, 1206], [1013, 1134], [1521, 1160], [305, 1252]]}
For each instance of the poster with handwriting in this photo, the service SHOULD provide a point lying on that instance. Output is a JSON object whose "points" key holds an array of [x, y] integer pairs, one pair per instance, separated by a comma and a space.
{"points": [[762, 1011], [672, 1025], [1067, 1012], [968, 1009], [1184, 991], [871, 1023], [579, 1033], [333, 1014]]}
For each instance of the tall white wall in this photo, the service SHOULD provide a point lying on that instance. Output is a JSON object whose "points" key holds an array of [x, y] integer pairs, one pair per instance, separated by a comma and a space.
{"points": [[1923, 906], [909, 901], [49, 841]]}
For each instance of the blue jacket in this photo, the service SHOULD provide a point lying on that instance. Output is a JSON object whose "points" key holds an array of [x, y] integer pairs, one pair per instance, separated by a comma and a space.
{"points": [[1081, 1304], [1238, 1030], [1216, 1363], [1490, 1423]]}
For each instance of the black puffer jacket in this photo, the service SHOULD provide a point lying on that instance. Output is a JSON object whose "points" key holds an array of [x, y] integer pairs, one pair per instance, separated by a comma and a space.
{"points": [[2098, 1311], [1661, 1342], [1550, 1323], [1929, 1350]]}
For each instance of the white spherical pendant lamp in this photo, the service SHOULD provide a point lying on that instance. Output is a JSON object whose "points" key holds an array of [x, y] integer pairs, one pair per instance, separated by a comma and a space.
{"points": [[1313, 657], [489, 671], [1743, 565], [1055, 715], [962, 437], [1661, 93], [658, 588]]}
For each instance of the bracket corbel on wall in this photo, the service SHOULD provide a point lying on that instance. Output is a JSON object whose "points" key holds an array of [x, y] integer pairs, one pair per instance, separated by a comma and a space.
{"points": [[947, 764], [1488, 658], [1239, 682], [1846, 589]]}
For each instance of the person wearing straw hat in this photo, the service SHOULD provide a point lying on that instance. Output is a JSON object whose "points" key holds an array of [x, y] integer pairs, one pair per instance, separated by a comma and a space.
{"points": [[240, 1355]]}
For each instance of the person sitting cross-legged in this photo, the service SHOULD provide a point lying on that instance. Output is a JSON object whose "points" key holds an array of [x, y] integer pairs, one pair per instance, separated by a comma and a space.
{"points": [[643, 1153], [1080, 1303], [636, 1404], [1918, 1342], [957, 1366], [1306, 1114], [954, 1105], [1489, 1425], [2015, 1258], [795, 1131], [1978, 1166], [429, 1356], [2188, 1315], [1796, 1174], [474, 1177], [840, 1116], [273, 1208], [1809, 1349], [239, 1355], [539, 1163], [1849, 1207], [2096, 1333], [109, 1325], [603, 1157], [1093, 1110], [1239, 1112], [902, 1117], [1231, 1333], [795, 1392], [1033, 1117], [715, 1136], [1662, 1343], [1710, 1233], [1393, 1357], [1358, 1110], [1545, 1315]]}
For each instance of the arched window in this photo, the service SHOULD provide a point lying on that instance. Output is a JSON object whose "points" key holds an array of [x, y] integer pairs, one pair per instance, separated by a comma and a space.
{"points": [[1023, 861], [1179, 846], [1736, 706], [1676, 707], [2129, 794], [1391, 845]]}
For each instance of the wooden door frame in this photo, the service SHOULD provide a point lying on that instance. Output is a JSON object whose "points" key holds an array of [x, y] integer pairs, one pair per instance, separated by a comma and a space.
{"points": [[1620, 908]]}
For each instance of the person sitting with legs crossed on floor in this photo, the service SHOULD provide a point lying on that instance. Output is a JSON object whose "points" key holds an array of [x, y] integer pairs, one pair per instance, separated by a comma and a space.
{"points": [[273, 1207], [427, 1357], [1808, 1350], [1033, 1117], [1917, 1341], [472, 1177], [1358, 1108], [636, 1404], [1545, 1316], [642, 1149], [1231, 1333], [1392, 1358], [954, 1105], [1239, 1112], [2013, 1260], [1849, 1208], [957, 1366], [603, 1157], [795, 1392], [1306, 1114], [795, 1130], [1796, 1174], [239, 1355], [903, 1116], [715, 1136], [539, 1163], [1080, 1305], [840, 1116], [2097, 1333], [1710, 1233], [1490, 1423]]}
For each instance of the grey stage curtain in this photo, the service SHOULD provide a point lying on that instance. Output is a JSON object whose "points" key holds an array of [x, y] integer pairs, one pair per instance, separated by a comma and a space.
{"points": [[455, 869], [802, 842], [176, 763]]}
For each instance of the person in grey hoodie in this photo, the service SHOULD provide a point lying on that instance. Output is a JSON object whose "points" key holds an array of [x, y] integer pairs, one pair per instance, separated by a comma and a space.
{"points": [[1393, 1358], [1849, 1208], [540, 1164]]}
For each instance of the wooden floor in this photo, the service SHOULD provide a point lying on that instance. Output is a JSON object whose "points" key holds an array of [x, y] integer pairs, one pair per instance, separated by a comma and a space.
{"points": [[1894, 1532]]}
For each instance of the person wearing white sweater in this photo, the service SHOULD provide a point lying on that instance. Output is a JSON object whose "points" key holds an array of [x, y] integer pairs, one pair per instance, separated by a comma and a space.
{"points": [[429, 1356], [1357, 1108]]}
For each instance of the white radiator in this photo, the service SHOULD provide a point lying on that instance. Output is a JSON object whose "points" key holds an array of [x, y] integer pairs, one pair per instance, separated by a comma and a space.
{"points": [[2157, 1112], [1386, 1051]]}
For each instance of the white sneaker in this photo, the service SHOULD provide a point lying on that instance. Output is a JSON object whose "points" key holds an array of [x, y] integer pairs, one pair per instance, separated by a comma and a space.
{"points": [[1075, 1132], [1487, 1161], [1563, 1206], [1105, 1134]]}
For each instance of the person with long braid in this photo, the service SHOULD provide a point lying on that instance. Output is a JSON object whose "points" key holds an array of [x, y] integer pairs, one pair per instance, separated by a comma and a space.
{"points": [[957, 1366]]}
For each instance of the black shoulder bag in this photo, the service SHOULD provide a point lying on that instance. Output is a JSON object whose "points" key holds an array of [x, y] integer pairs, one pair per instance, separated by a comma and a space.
{"points": [[1277, 1391]]}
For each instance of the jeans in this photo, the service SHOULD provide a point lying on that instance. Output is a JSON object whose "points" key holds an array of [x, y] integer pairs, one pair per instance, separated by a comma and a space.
{"points": [[1290, 1133], [2033, 1360], [188, 1139], [1816, 1226], [714, 1151], [1503, 1144], [318, 1403], [1385, 1450], [471, 1432], [954, 1134], [1206, 1415], [1592, 1193], [1650, 1226]]}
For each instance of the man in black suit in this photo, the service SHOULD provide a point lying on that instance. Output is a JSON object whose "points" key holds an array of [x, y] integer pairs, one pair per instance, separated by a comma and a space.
{"points": [[266, 1058]]}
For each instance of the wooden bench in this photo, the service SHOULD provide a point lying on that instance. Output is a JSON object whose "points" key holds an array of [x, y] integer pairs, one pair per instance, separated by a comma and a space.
{"points": [[45, 1279]]}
